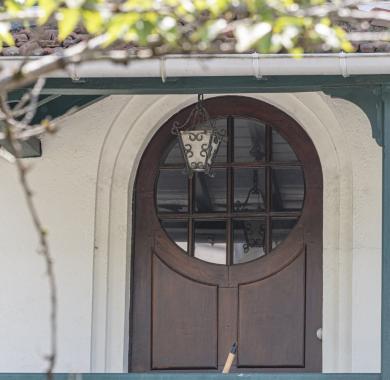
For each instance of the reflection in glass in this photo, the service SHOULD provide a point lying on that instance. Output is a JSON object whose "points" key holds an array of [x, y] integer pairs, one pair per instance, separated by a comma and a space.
{"points": [[288, 189], [210, 241], [281, 149], [249, 190], [210, 192], [174, 156], [249, 140], [177, 231], [248, 240], [280, 229], [172, 191]]}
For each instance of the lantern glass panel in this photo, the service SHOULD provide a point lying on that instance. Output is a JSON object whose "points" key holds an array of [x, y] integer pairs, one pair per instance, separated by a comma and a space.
{"points": [[196, 148]]}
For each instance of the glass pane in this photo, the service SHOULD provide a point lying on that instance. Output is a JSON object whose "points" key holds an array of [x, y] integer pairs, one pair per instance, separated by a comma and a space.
{"points": [[288, 189], [281, 150], [172, 191], [280, 229], [174, 154], [249, 240], [210, 241], [249, 140], [221, 125], [177, 231], [249, 190], [210, 192]]}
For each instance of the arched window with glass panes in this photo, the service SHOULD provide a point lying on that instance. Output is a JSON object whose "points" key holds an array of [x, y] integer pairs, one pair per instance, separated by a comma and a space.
{"points": [[248, 206]]}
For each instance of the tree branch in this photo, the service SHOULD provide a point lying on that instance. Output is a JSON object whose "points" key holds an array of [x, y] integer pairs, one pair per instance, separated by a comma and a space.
{"points": [[44, 249]]}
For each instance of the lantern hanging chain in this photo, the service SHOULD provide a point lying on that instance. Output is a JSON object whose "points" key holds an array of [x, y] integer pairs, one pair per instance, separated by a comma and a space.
{"points": [[197, 117]]}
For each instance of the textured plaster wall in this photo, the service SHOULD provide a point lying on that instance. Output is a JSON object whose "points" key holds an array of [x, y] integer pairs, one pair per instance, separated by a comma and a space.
{"points": [[64, 183], [366, 237], [83, 186]]}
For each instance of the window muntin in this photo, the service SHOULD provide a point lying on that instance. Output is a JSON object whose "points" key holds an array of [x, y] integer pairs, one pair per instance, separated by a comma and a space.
{"points": [[250, 205]]}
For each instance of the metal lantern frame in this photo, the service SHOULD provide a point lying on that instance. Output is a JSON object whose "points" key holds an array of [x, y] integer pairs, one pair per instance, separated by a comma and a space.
{"points": [[199, 139]]}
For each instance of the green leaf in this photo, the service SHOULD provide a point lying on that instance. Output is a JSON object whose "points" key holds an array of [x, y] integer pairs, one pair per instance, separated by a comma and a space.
{"points": [[264, 44], [12, 6], [68, 19], [5, 34], [48, 7], [247, 35], [93, 21]]}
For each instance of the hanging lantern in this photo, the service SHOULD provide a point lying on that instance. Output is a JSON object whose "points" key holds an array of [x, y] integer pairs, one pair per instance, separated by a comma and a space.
{"points": [[199, 139]]}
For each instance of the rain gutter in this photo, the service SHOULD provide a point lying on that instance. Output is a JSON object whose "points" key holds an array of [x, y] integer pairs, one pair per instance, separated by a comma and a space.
{"points": [[257, 65]]}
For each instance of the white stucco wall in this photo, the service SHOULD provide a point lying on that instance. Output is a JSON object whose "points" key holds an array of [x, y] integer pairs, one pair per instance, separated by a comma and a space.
{"points": [[64, 182], [82, 186]]}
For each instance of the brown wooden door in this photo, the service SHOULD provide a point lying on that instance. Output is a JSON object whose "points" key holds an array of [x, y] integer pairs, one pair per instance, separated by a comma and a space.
{"points": [[212, 266]]}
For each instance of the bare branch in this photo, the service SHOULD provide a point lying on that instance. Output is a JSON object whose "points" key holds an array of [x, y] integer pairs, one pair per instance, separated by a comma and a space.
{"points": [[44, 249], [34, 97]]}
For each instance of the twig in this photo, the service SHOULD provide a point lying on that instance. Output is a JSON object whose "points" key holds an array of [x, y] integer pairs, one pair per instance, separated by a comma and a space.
{"points": [[44, 249], [34, 97]]}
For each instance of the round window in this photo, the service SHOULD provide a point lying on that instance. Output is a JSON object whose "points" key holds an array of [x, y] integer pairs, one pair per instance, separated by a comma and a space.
{"points": [[246, 209]]}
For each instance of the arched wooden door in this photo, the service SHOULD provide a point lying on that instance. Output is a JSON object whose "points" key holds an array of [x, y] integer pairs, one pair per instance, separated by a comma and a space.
{"points": [[235, 257]]}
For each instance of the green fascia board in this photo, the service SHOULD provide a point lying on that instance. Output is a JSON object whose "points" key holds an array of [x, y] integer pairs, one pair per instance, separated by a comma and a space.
{"points": [[207, 85], [363, 90], [62, 104], [53, 109], [194, 376]]}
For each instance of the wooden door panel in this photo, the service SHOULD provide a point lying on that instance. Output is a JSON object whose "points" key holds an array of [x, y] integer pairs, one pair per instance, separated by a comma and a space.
{"points": [[271, 327], [184, 321], [227, 322]]}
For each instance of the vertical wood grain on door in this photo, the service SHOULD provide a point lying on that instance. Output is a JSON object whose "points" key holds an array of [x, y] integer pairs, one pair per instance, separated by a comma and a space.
{"points": [[271, 322], [184, 321]]}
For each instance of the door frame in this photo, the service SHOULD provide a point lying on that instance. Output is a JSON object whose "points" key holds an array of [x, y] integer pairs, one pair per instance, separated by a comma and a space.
{"points": [[149, 234]]}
